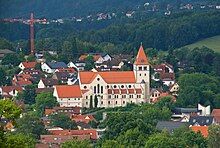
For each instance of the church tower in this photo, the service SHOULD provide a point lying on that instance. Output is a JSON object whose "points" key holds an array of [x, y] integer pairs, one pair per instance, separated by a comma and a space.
{"points": [[141, 70]]}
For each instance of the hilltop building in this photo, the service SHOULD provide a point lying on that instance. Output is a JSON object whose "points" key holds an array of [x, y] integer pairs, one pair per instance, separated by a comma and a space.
{"points": [[111, 88]]}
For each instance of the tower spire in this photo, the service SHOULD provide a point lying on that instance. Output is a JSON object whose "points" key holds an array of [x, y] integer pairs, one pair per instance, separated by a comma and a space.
{"points": [[141, 58]]}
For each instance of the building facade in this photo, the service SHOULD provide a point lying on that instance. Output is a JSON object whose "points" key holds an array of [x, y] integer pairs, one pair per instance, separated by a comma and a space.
{"points": [[113, 88]]}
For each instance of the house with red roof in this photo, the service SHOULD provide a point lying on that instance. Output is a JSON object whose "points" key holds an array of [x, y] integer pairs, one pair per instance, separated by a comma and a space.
{"points": [[22, 80], [164, 94], [216, 114], [204, 130], [68, 95], [111, 88], [83, 118], [10, 91], [27, 65]]}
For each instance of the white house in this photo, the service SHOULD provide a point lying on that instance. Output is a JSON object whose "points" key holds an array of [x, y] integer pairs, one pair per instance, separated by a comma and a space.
{"points": [[10, 91], [50, 67], [47, 83], [27, 65], [68, 95]]}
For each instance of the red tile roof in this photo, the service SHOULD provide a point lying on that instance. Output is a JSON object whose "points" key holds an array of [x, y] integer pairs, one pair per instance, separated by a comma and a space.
{"points": [[167, 76], [49, 111], [10, 88], [109, 77], [83, 118], [203, 129], [123, 91], [131, 91], [165, 94], [138, 91], [110, 91], [93, 133], [84, 91], [116, 91], [68, 91], [29, 64], [215, 112], [141, 58], [71, 70], [95, 57], [22, 83]]}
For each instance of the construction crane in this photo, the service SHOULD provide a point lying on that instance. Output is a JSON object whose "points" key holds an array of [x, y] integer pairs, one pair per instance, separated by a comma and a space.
{"points": [[30, 21]]}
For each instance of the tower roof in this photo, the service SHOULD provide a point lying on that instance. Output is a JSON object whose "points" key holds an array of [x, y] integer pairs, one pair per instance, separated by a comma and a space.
{"points": [[141, 58]]}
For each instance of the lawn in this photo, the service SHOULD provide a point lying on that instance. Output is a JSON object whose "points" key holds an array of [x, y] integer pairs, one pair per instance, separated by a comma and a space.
{"points": [[212, 43]]}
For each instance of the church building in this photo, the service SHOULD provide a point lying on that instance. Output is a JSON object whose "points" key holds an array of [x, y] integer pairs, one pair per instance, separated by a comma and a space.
{"points": [[110, 88]]}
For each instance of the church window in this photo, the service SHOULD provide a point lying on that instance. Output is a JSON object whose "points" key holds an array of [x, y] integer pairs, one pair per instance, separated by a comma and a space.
{"points": [[140, 74], [122, 86], [115, 86], [145, 67], [129, 86], [108, 102], [101, 89], [145, 74], [116, 102], [85, 87], [98, 79], [140, 68], [94, 89], [98, 88]]}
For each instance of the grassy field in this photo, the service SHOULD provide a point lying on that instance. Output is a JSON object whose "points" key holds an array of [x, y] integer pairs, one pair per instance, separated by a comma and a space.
{"points": [[212, 43]]}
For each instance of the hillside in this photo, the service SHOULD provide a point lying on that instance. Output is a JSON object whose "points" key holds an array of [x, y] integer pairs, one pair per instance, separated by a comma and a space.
{"points": [[70, 8], [212, 43]]}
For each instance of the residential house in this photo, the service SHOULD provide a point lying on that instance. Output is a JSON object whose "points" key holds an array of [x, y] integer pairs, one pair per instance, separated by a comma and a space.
{"points": [[68, 95], [171, 126], [205, 111], [129, 14], [201, 120], [83, 118], [62, 77], [78, 65], [155, 93], [47, 83], [216, 114], [123, 57], [4, 52], [10, 91], [51, 67], [27, 65], [204, 130], [174, 89], [98, 57], [91, 133], [22, 80], [111, 88], [83, 125], [55, 141], [69, 110], [69, 70], [36, 75], [183, 114], [164, 94], [167, 78]]}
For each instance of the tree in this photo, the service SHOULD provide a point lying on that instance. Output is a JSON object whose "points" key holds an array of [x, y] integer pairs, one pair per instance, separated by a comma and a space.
{"points": [[31, 124], [5, 44], [91, 103], [96, 101], [29, 94], [76, 144], [62, 120], [111, 144], [45, 101], [132, 138], [214, 136], [89, 60], [165, 102], [2, 77], [11, 59], [163, 139], [31, 58], [19, 141], [9, 110]]}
